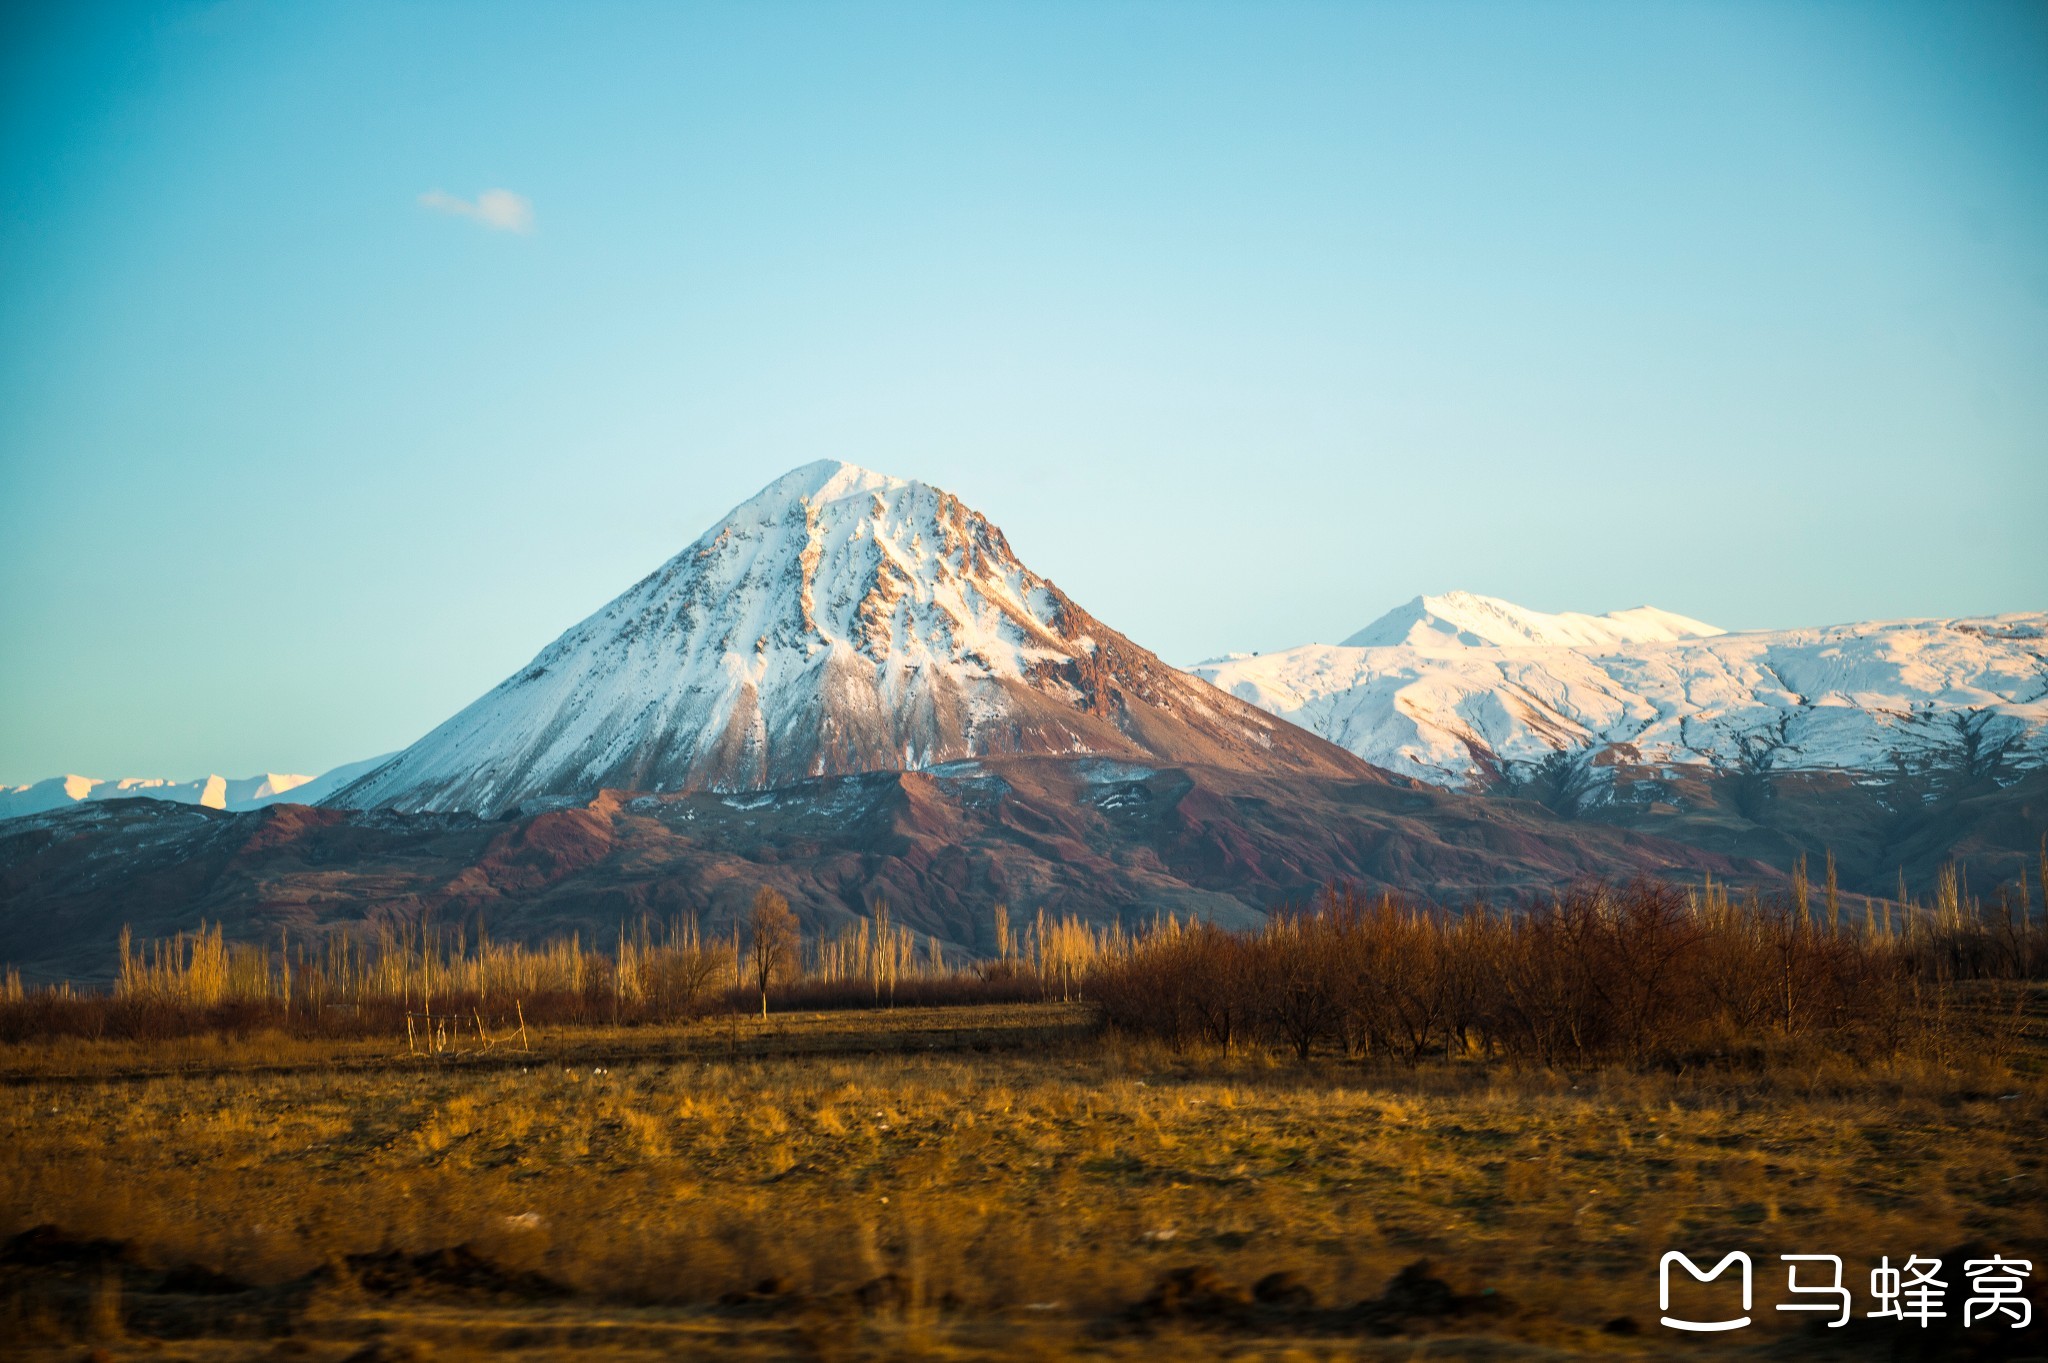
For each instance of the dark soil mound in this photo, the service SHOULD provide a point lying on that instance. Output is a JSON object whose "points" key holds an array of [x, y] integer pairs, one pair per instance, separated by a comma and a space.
{"points": [[460, 1270], [47, 1246]]}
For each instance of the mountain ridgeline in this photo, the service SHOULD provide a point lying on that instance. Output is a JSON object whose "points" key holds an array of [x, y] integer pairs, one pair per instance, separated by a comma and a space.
{"points": [[851, 689], [1465, 691]]}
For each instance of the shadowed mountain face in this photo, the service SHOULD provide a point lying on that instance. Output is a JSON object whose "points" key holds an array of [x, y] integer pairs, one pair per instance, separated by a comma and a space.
{"points": [[1880, 831], [840, 621], [1103, 839]]}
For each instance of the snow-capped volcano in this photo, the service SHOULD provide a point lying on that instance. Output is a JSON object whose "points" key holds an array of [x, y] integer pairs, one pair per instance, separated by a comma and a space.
{"points": [[838, 621], [1462, 690]]}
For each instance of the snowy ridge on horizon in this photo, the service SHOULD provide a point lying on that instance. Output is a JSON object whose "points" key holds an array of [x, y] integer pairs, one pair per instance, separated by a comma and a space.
{"points": [[1460, 690], [212, 791], [839, 620], [1468, 619]]}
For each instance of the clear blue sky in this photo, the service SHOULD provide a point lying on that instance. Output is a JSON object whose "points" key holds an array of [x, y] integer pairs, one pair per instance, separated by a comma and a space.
{"points": [[1246, 322]]}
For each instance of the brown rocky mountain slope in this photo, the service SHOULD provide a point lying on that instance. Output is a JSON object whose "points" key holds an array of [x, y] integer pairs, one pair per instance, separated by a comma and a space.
{"points": [[1106, 840]]}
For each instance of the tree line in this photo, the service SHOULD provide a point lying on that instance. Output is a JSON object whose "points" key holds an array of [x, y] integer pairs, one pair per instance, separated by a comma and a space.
{"points": [[1640, 974], [374, 980]]}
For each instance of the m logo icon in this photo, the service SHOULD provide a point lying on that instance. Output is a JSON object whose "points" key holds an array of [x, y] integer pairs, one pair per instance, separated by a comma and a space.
{"points": [[1702, 1326]]}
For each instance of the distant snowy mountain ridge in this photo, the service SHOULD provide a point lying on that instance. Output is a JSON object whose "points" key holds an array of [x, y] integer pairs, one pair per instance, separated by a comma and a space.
{"points": [[212, 792], [1465, 691], [1465, 620], [844, 621]]}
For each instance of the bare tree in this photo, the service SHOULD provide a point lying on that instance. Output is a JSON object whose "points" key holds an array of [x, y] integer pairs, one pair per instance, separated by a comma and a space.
{"points": [[1299, 965], [773, 949]]}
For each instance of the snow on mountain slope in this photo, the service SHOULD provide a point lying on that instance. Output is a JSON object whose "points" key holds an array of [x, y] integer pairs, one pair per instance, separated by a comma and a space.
{"points": [[212, 792], [838, 621], [60, 791], [1466, 618], [1448, 702]]}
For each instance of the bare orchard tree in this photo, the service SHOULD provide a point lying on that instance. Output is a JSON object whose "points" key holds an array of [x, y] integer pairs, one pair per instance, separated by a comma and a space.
{"points": [[772, 953]]}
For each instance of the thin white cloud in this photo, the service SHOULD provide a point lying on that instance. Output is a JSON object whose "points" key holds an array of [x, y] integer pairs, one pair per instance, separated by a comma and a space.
{"points": [[498, 209]]}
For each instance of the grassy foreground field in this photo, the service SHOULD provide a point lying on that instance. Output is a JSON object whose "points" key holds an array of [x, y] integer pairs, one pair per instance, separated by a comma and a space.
{"points": [[969, 1183]]}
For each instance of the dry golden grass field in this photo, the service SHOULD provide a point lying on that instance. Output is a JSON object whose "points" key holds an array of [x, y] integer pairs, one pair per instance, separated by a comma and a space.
{"points": [[978, 1183]]}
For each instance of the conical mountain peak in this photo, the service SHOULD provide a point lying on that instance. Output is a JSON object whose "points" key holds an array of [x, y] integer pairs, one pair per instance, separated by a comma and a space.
{"points": [[839, 620]]}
